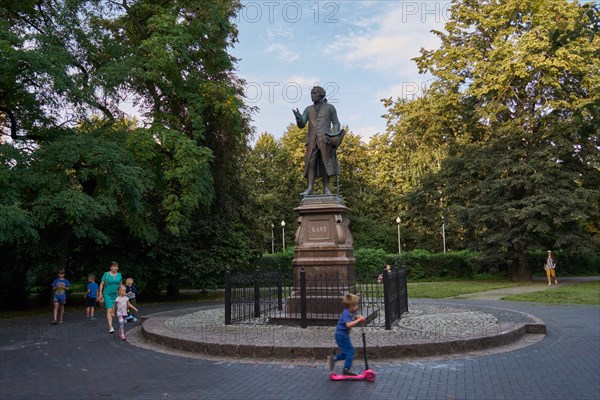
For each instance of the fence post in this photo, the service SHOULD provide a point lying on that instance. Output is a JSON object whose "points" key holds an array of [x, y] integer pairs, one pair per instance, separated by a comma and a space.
{"points": [[227, 297], [303, 323], [257, 293], [279, 290], [405, 288], [399, 287], [387, 306]]}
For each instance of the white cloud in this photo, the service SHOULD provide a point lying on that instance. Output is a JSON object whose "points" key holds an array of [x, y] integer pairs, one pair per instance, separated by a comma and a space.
{"points": [[278, 31], [304, 81], [386, 43], [282, 52], [365, 132], [409, 89]]}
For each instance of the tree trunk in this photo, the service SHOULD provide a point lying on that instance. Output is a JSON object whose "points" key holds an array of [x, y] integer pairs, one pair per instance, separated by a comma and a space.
{"points": [[16, 290], [519, 270], [172, 290]]}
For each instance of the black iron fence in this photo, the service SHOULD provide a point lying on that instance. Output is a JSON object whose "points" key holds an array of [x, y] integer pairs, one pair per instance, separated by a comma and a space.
{"points": [[312, 298], [395, 298]]}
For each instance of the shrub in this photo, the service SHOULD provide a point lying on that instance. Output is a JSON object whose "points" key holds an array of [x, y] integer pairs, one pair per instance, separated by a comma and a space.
{"points": [[271, 262], [567, 264], [454, 264], [370, 261], [421, 264]]}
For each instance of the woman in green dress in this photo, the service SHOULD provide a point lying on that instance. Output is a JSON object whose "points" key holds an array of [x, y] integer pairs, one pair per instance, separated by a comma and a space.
{"points": [[109, 287]]}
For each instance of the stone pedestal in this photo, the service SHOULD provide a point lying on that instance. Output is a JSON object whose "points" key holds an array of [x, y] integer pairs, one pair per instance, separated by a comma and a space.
{"points": [[324, 249]]}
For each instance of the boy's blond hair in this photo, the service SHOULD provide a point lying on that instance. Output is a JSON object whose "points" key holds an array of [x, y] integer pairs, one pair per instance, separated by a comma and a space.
{"points": [[350, 300], [128, 281]]}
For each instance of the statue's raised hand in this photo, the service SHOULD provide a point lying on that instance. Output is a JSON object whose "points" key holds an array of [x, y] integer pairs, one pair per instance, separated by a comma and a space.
{"points": [[297, 113]]}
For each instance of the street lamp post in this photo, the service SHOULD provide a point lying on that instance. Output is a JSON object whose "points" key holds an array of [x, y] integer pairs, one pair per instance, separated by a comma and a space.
{"points": [[444, 233], [283, 233], [398, 220], [272, 238]]}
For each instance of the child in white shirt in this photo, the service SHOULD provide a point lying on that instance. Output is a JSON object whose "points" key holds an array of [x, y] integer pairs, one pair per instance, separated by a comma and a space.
{"points": [[121, 304]]}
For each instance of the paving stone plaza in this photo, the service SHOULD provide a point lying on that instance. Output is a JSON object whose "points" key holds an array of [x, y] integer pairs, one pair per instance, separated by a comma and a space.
{"points": [[429, 328], [79, 359]]}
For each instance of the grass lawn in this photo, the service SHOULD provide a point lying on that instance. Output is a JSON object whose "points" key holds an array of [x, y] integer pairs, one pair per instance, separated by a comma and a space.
{"points": [[583, 293], [441, 290]]}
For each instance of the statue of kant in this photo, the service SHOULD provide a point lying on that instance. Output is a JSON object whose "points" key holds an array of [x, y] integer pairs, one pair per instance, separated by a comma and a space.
{"points": [[322, 140]]}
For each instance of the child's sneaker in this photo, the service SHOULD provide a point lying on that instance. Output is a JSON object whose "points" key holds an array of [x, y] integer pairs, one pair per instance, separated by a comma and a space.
{"points": [[134, 319], [122, 335], [54, 322], [331, 360], [348, 372]]}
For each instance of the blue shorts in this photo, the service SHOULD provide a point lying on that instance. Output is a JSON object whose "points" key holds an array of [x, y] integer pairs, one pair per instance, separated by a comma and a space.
{"points": [[90, 301], [60, 298]]}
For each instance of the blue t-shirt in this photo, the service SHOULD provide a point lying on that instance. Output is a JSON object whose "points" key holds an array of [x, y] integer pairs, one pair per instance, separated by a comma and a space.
{"points": [[341, 328], [60, 285], [131, 291], [93, 287]]}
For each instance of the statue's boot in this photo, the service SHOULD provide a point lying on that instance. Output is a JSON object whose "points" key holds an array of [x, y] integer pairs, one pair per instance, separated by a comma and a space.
{"points": [[307, 192], [311, 182], [326, 184]]}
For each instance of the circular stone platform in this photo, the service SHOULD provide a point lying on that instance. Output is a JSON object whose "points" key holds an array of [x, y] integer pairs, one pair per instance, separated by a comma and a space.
{"points": [[428, 329]]}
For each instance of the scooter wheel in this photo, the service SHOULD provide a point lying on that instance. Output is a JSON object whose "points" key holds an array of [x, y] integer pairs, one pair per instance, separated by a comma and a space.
{"points": [[370, 376]]}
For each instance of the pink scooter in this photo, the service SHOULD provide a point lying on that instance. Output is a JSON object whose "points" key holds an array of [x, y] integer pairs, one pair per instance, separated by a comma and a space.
{"points": [[366, 375]]}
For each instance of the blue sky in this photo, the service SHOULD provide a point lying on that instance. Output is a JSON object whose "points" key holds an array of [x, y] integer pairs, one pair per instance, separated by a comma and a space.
{"points": [[359, 51]]}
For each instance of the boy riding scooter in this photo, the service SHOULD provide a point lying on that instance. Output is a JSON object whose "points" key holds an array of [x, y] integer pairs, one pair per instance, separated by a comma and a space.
{"points": [[347, 321]]}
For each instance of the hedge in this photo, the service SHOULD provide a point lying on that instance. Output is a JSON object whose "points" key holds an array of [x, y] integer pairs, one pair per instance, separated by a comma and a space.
{"points": [[424, 265], [567, 264], [421, 264]]}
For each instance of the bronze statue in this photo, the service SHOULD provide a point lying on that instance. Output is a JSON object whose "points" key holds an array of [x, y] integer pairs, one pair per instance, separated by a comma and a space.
{"points": [[322, 140]]}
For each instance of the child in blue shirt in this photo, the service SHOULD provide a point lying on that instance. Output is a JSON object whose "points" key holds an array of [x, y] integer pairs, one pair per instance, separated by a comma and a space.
{"points": [[60, 286], [131, 291], [347, 320], [90, 297]]}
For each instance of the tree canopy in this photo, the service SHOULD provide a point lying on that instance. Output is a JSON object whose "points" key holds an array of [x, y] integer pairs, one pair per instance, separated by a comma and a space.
{"points": [[515, 107], [79, 172], [124, 135], [502, 149]]}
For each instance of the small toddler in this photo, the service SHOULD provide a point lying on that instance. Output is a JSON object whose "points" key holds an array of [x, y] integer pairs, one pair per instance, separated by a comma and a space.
{"points": [[122, 303]]}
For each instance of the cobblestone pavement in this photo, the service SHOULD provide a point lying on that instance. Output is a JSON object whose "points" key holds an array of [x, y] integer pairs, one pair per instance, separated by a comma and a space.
{"points": [[428, 328], [80, 360]]}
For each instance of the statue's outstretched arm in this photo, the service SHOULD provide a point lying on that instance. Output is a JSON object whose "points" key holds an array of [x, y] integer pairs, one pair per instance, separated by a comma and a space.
{"points": [[301, 118]]}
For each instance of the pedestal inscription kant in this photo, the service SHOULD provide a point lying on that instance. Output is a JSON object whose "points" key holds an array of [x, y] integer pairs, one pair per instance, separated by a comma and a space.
{"points": [[324, 249]]}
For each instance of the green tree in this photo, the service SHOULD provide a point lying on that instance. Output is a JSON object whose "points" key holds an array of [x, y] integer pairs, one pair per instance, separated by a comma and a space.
{"points": [[368, 188], [522, 172], [92, 180], [263, 167]]}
